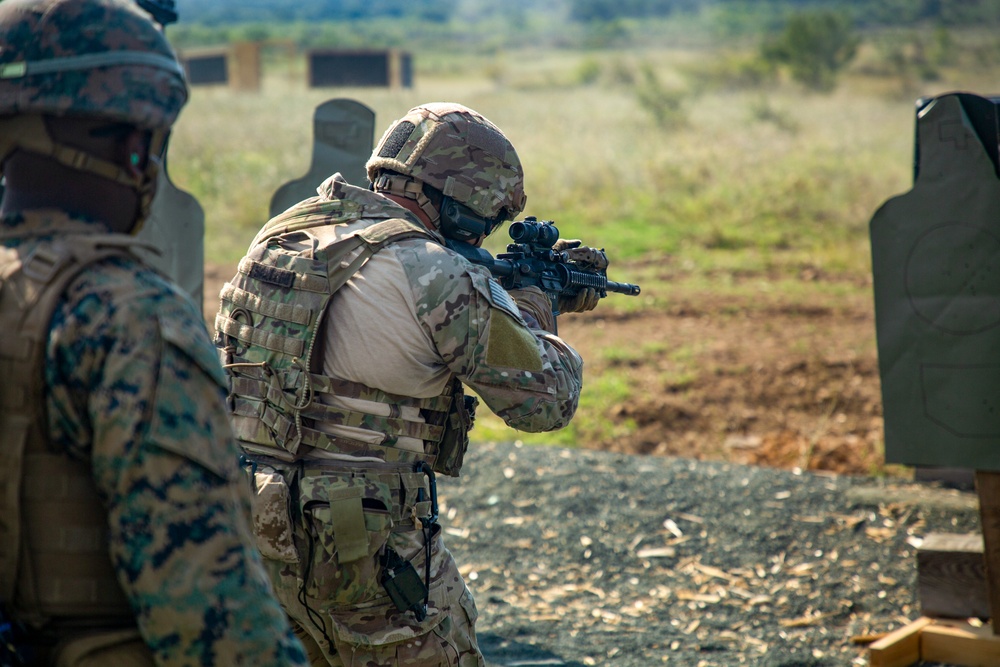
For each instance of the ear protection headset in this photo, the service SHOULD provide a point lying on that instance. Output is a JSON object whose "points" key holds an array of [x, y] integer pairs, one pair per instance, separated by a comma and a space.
{"points": [[461, 223]]}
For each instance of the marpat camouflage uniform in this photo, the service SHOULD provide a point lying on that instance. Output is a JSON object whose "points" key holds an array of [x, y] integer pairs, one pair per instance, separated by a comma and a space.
{"points": [[334, 465], [124, 538], [133, 391]]}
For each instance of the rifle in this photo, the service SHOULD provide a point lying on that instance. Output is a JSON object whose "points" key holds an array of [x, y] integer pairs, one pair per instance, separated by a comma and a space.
{"points": [[531, 261]]}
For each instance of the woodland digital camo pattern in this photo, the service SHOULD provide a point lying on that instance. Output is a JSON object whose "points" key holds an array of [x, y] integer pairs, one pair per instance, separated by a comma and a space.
{"points": [[134, 392], [457, 151], [322, 524], [35, 33]]}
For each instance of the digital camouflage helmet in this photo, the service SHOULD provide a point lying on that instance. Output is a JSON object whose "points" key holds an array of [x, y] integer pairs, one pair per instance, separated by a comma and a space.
{"points": [[458, 152], [100, 59]]}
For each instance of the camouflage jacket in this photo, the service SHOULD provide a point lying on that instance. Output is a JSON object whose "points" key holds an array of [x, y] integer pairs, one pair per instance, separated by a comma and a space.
{"points": [[134, 390], [417, 315], [469, 327]]}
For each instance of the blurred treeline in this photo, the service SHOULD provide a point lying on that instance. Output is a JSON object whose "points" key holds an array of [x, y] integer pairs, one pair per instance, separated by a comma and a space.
{"points": [[486, 25]]}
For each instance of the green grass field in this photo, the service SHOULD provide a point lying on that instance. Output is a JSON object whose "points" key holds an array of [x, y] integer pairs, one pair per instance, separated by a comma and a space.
{"points": [[765, 176]]}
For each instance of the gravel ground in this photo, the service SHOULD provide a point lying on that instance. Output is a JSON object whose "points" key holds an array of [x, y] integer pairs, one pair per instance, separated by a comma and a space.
{"points": [[581, 557]]}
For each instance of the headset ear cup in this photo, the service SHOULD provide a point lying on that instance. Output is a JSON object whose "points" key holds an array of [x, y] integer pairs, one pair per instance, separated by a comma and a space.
{"points": [[447, 220], [449, 212], [460, 222]]}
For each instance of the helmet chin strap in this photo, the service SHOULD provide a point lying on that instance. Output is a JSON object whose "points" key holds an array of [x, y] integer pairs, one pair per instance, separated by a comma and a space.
{"points": [[402, 186], [28, 133]]}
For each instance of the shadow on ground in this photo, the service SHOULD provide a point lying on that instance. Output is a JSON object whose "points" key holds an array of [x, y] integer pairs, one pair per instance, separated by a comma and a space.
{"points": [[502, 652]]}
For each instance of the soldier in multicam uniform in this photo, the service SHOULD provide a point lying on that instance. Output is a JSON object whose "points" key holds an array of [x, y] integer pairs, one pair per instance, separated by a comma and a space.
{"points": [[123, 509], [348, 334]]}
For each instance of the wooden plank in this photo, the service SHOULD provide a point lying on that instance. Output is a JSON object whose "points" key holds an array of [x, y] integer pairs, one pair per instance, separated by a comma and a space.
{"points": [[958, 643], [951, 576], [900, 648], [988, 490], [245, 72]]}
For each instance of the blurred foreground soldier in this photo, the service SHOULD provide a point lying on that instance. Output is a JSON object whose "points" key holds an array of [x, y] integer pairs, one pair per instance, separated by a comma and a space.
{"points": [[124, 538], [348, 333]]}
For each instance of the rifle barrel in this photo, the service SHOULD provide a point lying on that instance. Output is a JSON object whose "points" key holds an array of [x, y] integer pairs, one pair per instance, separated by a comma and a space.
{"points": [[623, 288]]}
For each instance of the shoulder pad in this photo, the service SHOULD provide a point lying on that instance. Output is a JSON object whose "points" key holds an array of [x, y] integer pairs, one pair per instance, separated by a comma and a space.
{"points": [[393, 229], [314, 212]]}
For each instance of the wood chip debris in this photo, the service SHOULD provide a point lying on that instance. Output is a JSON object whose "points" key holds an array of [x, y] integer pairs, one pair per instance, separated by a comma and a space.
{"points": [[690, 596], [672, 528], [802, 621], [657, 552]]}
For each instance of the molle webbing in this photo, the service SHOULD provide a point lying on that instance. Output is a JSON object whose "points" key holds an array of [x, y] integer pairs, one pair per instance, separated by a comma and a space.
{"points": [[280, 274], [254, 395], [270, 317], [66, 530], [53, 529], [255, 304]]}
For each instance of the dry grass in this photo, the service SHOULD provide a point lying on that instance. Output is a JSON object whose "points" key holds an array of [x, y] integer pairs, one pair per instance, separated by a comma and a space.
{"points": [[746, 169]]}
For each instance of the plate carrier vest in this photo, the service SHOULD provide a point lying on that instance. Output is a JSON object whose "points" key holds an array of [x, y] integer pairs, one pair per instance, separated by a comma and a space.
{"points": [[54, 560], [270, 317]]}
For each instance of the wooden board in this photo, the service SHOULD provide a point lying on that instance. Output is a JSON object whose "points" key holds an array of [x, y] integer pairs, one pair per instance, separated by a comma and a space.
{"points": [[937, 640], [988, 489], [951, 577], [900, 648], [957, 643]]}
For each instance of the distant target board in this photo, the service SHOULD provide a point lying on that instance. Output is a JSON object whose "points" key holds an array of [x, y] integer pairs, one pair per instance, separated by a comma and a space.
{"points": [[236, 66], [339, 68], [206, 67]]}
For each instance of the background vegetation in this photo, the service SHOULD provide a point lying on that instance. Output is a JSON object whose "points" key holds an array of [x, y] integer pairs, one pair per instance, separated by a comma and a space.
{"points": [[706, 136]]}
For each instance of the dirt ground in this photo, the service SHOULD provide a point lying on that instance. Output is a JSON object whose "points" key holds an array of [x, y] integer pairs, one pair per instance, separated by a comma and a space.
{"points": [[777, 382], [772, 379]]}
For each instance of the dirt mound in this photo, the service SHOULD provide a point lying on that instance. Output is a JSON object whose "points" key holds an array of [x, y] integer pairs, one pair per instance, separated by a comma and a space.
{"points": [[778, 384], [812, 414]]}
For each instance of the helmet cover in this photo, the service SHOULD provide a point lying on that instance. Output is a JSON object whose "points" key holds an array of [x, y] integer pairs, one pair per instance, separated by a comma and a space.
{"points": [[457, 151], [95, 58]]}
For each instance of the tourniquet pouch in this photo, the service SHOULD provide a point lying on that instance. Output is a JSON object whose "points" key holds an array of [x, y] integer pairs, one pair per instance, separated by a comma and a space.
{"points": [[117, 648], [346, 519], [375, 634], [455, 441], [270, 507]]}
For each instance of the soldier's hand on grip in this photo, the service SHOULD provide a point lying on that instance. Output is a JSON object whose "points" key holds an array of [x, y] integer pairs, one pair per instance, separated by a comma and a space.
{"points": [[584, 300], [587, 258]]}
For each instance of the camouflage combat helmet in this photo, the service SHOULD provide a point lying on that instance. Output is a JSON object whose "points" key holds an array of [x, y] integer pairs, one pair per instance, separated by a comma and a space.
{"points": [[85, 58], [456, 151]]}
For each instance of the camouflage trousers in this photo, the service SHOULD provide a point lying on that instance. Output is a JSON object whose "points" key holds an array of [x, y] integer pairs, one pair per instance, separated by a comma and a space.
{"points": [[323, 537]]}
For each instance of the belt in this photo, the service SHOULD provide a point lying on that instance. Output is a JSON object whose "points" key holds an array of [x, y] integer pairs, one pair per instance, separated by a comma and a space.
{"points": [[412, 485]]}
